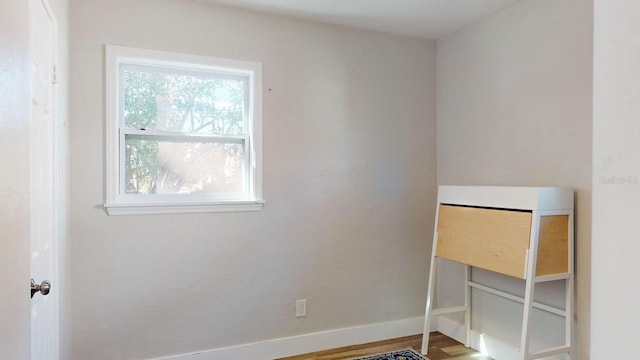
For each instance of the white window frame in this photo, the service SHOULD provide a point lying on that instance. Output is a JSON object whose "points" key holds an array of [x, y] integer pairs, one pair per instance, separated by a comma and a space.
{"points": [[119, 203]]}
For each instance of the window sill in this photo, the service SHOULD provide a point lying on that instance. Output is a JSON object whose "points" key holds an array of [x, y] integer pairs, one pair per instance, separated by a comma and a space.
{"points": [[182, 208]]}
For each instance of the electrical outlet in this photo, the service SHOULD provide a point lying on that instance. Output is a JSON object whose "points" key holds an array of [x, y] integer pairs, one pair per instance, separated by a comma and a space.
{"points": [[301, 307]]}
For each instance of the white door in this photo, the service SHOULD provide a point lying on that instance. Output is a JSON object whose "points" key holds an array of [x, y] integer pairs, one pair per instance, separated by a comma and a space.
{"points": [[44, 202], [16, 186]]}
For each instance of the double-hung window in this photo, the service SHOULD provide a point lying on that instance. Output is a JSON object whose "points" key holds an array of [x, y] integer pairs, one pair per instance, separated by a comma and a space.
{"points": [[183, 133]]}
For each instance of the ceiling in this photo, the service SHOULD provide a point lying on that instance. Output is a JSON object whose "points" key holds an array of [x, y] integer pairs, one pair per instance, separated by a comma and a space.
{"points": [[426, 19]]}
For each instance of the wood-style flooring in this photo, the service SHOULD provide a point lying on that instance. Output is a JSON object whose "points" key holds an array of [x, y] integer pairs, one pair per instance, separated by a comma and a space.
{"points": [[441, 347]]}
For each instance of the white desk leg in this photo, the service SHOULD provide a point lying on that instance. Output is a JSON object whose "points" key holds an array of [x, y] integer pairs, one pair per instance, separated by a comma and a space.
{"points": [[431, 289], [429, 307], [532, 257], [526, 318], [569, 318], [467, 304], [569, 296]]}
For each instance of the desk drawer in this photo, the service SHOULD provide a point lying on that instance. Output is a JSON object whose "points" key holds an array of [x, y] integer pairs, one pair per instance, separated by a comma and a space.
{"points": [[492, 239], [497, 240]]}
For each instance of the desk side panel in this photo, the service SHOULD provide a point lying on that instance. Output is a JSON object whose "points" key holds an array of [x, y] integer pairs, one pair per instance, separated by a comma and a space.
{"points": [[553, 245]]}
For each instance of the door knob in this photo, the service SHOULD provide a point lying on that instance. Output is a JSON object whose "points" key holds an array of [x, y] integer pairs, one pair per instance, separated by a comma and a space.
{"points": [[43, 288]]}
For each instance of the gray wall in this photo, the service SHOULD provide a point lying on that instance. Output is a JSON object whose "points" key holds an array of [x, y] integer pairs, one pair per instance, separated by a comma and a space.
{"points": [[349, 184], [514, 108]]}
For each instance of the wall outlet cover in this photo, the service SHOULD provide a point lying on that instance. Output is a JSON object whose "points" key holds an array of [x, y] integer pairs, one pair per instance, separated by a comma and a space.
{"points": [[301, 307]]}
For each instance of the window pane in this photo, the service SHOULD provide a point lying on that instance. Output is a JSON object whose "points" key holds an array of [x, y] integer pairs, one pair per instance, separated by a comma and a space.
{"points": [[166, 167], [162, 99]]}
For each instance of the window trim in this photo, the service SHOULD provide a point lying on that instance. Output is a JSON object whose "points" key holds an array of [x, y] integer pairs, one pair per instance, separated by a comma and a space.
{"points": [[130, 204]]}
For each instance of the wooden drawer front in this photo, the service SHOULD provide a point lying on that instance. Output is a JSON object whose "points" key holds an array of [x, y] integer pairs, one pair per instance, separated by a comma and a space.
{"points": [[496, 240], [553, 245]]}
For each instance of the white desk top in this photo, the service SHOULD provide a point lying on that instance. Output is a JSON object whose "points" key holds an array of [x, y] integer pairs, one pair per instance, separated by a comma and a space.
{"points": [[508, 197]]}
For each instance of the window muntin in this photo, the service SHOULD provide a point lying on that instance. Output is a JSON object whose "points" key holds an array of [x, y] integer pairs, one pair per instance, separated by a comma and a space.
{"points": [[187, 131]]}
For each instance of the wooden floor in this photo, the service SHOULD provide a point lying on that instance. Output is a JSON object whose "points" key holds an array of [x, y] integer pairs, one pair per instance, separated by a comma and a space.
{"points": [[440, 347]]}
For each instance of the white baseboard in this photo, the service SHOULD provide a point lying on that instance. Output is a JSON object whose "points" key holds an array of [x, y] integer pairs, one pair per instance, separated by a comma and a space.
{"points": [[302, 344]]}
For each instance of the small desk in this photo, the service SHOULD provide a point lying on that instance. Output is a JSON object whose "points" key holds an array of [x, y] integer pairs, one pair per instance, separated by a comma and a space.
{"points": [[522, 232]]}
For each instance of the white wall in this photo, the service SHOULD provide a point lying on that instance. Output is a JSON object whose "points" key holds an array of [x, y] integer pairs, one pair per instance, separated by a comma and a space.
{"points": [[349, 181], [514, 108], [616, 183], [15, 108]]}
